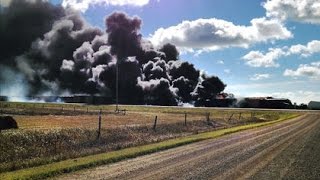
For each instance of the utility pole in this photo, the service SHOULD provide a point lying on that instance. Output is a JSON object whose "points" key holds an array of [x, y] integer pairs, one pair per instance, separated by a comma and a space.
{"points": [[117, 86]]}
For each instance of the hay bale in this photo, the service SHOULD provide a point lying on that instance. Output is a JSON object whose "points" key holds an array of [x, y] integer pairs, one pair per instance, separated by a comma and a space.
{"points": [[7, 122]]}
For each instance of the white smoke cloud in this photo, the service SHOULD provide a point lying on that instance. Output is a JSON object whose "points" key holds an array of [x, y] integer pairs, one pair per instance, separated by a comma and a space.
{"points": [[67, 65], [5, 3], [13, 85]]}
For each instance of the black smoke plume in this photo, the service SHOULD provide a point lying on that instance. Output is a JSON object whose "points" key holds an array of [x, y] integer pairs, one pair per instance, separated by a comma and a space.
{"points": [[54, 51]]}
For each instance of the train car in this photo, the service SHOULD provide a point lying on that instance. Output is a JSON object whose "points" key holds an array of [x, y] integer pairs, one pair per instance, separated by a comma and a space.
{"points": [[314, 105], [266, 102]]}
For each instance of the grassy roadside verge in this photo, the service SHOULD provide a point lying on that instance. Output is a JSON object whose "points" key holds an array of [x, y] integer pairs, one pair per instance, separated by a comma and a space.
{"points": [[70, 165]]}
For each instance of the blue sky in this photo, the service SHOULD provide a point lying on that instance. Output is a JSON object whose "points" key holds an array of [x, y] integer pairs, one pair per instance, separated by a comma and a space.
{"points": [[258, 48]]}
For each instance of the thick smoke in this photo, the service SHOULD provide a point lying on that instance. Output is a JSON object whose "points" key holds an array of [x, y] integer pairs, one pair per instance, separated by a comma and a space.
{"points": [[54, 50], [206, 90]]}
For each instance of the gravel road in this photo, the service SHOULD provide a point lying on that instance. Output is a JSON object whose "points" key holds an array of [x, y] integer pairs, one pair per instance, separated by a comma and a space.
{"points": [[287, 150]]}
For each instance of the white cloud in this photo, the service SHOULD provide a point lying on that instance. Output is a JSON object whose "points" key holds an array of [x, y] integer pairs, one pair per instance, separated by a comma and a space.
{"points": [[257, 77], [309, 70], [264, 85], [227, 71], [258, 59], [83, 5], [295, 10], [305, 50], [268, 59], [214, 34], [220, 62]]}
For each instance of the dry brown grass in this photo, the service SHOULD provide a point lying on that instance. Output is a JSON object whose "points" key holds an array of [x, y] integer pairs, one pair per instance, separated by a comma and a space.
{"points": [[91, 121], [130, 119]]}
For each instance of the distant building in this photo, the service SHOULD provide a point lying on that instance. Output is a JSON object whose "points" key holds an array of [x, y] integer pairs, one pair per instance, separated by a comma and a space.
{"points": [[314, 105]]}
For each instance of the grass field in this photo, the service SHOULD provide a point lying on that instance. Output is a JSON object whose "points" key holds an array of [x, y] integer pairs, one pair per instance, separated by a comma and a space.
{"points": [[50, 133]]}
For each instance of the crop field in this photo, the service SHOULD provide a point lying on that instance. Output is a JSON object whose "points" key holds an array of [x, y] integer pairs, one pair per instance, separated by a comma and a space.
{"points": [[53, 132]]}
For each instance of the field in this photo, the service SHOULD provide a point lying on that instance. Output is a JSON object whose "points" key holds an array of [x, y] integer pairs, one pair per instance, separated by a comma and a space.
{"points": [[53, 132]]}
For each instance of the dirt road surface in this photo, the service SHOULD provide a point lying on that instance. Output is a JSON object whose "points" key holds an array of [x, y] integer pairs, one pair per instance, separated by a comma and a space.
{"points": [[287, 150]]}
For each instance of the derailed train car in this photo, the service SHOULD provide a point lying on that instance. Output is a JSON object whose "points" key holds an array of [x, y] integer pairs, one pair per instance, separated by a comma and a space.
{"points": [[266, 102], [314, 105]]}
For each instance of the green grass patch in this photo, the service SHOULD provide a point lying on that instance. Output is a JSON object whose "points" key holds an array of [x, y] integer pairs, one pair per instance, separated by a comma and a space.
{"points": [[70, 165]]}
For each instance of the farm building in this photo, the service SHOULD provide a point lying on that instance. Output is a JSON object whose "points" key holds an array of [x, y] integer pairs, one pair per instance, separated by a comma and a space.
{"points": [[314, 105]]}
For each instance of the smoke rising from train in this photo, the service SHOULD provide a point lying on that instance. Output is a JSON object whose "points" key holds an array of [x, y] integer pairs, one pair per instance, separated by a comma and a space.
{"points": [[54, 51]]}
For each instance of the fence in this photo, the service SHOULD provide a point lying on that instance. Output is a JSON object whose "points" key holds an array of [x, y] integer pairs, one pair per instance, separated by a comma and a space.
{"points": [[49, 132]]}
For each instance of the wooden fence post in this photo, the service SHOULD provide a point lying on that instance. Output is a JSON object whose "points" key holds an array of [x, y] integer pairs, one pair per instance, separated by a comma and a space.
{"points": [[99, 125], [208, 117], [155, 123], [185, 119], [240, 116]]}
